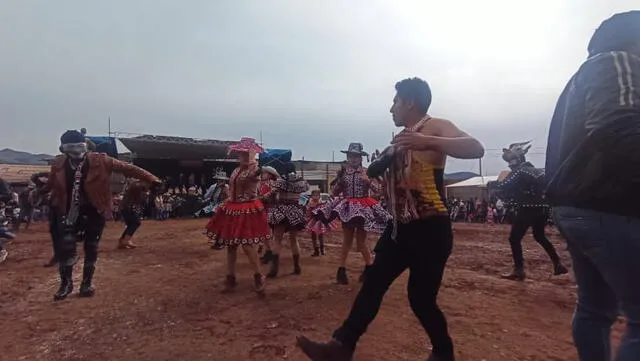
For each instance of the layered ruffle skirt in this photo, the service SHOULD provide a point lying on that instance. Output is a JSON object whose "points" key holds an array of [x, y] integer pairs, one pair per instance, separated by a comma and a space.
{"points": [[239, 224], [355, 212], [291, 215]]}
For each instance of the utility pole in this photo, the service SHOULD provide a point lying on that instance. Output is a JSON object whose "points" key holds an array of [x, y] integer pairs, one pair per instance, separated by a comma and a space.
{"points": [[109, 125]]}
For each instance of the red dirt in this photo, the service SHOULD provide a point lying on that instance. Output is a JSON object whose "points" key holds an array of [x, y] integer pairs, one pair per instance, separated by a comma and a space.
{"points": [[162, 302]]}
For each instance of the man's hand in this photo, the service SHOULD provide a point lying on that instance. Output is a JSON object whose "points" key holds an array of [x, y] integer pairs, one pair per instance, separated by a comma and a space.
{"points": [[409, 140]]}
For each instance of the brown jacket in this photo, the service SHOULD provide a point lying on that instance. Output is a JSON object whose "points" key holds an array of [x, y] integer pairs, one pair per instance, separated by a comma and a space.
{"points": [[96, 183], [134, 195]]}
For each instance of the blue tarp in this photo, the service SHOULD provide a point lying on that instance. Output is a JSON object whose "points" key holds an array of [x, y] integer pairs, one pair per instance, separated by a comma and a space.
{"points": [[275, 158], [105, 145]]}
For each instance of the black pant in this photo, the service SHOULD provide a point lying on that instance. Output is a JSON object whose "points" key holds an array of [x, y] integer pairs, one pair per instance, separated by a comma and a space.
{"points": [[93, 224], [536, 218], [422, 246], [54, 223], [132, 220]]}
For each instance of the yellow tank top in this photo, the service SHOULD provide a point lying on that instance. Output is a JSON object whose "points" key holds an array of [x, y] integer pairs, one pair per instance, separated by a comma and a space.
{"points": [[426, 183]]}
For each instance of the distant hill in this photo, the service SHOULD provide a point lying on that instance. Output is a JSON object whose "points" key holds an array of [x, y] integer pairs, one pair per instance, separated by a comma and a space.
{"points": [[10, 156]]}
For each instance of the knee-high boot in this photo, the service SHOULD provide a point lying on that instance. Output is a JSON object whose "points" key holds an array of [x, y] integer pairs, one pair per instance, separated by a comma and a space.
{"points": [[86, 288], [66, 283]]}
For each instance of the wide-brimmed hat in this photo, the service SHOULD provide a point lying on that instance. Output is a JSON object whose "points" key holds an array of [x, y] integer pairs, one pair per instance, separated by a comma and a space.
{"points": [[246, 145], [270, 170], [355, 148], [220, 174]]}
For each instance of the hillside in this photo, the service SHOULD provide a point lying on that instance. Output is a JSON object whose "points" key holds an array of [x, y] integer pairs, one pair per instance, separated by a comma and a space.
{"points": [[10, 156]]}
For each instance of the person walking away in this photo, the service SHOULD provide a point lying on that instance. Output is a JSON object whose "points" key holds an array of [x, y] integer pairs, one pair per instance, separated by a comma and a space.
{"points": [[420, 237], [593, 184]]}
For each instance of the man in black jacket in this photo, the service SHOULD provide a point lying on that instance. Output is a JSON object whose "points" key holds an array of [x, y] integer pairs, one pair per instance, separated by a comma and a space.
{"points": [[593, 184], [523, 189]]}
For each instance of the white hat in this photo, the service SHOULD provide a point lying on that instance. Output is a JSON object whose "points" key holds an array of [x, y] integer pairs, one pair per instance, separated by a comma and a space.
{"points": [[270, 170]]}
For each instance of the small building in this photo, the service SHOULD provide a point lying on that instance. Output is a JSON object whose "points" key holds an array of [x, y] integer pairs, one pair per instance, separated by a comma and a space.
{"points": [[475, 187]]}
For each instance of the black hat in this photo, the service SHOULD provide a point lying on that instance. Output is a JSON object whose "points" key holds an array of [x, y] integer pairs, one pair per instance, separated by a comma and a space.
{"points": [[355, 148], [72, 136]]}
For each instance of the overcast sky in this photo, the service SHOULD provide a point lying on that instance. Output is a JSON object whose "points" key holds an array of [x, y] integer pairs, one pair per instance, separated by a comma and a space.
{"points": [[312, 75]]}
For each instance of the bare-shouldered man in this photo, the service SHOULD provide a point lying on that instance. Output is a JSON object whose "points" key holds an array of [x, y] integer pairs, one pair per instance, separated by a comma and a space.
{"points": [[420, 237]]}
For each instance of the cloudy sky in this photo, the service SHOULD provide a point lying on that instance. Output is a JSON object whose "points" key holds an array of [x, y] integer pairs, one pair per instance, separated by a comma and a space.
{"points": [[311, 75]]}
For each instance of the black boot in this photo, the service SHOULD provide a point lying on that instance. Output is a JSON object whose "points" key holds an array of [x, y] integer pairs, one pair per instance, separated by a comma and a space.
{"points": [[517, 274], [86, 289], [296, 264], [316, 252], [321, 239], [341, 276], [267, 257], [66, 283], [275, 265]]}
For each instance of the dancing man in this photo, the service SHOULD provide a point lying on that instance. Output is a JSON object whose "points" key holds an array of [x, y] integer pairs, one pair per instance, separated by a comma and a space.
{"points": [[79, 185], [241, 221], [420, 237], [5, 233], [356, 209], [286, 215], [131, 209], [593, 175], [523, 189]]}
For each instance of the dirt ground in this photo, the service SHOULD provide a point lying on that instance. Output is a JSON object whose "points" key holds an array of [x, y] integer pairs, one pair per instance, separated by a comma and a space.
{"points": [[162, 301]]}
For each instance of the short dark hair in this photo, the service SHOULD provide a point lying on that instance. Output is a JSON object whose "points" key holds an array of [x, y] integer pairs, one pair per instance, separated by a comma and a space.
{"points": [[617, 33], [415, 90]]}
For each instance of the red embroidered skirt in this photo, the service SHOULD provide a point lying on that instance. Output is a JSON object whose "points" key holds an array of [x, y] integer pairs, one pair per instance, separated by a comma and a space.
{"points": [[239, 223]]}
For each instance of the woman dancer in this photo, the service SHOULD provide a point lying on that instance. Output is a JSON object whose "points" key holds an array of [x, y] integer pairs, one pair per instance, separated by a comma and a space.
{"points": [[358, 212], [287, 216], [316, 227], [242, 220], [268, 176]]}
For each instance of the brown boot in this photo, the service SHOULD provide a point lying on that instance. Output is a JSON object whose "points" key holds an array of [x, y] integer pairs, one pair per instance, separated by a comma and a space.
{"points": [[125, 243], [259, 284], [517, 274], [330, 351], [229, 284]]}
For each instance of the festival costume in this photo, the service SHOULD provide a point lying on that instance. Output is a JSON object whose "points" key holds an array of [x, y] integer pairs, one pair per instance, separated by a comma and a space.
{"points": [[318, 228], [356, 208], [216, 194], [131, 209], [286, 209], [523, 189], [242, 219], [80, 198], [420, 239]]}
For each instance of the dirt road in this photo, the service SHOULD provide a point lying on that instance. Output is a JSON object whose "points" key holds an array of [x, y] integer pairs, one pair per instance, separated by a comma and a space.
{"points": [[162, 302]]}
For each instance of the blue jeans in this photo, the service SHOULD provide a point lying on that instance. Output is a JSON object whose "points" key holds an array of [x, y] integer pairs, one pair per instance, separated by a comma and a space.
{"points": [[605, 249]]}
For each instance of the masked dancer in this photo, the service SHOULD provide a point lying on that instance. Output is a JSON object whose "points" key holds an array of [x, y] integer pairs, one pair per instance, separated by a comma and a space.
{"points": [[358, 212], [241, 221], [523, 189], [286, 215], [420, 237], [79, 184]]}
